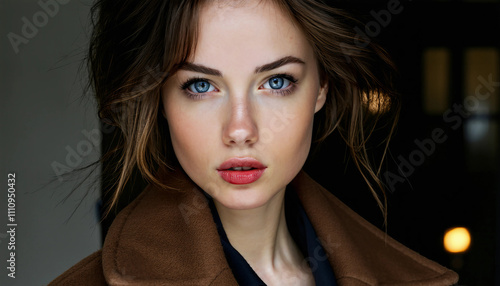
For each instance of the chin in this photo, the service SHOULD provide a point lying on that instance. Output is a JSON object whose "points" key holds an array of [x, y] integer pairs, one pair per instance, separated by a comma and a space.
{"points": [[244, 199]]}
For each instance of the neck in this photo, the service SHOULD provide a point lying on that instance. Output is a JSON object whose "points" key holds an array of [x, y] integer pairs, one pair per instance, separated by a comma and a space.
{"points": [[261, 235]]}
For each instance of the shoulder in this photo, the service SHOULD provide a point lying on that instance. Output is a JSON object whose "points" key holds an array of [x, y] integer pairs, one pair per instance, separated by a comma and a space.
{"points": [[359, 251], [86, 272]]}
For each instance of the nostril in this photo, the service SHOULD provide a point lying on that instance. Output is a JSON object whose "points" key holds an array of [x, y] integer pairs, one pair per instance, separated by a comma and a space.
{"points": [[243, 135]]}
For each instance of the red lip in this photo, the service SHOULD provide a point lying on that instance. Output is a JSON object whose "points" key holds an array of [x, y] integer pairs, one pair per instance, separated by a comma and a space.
{"points": [[241, 177], [241, 162]]}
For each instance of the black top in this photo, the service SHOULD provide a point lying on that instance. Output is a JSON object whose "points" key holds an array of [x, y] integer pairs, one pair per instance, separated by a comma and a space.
{"points": [[303, 234]]}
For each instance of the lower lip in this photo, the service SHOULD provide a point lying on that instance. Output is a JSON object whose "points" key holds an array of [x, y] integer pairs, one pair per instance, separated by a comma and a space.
{"points": [[241, 177]]}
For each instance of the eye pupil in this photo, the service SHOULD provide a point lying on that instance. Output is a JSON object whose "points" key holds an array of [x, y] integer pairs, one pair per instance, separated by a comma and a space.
{"points": [[201, 86], [276, 82]]}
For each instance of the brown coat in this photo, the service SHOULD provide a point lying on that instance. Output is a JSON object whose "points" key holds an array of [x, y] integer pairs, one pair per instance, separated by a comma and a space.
{"points": [[168, 237]]}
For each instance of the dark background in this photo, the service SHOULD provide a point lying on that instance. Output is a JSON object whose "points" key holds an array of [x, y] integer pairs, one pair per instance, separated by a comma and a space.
{"points": [[459, 183]]}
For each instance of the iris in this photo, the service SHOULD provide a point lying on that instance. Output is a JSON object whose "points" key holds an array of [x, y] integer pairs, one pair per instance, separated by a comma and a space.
{"points": [[201, 86], [276, 82]]}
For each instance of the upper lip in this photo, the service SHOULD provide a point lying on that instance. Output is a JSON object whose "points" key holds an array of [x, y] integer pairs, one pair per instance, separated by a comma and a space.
{"points": [[241, 162]]}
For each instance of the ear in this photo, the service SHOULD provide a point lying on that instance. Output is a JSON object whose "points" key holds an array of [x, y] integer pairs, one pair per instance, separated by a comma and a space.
{"points": [[320, 100]]}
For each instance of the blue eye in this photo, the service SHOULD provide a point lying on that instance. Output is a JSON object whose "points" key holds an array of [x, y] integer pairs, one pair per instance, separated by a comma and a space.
{"points": [[201, 86], [277, 82]]}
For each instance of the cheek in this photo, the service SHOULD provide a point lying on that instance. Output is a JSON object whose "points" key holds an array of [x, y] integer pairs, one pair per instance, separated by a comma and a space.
{"points": [[190, 135], [294, 142], [286, 134]]}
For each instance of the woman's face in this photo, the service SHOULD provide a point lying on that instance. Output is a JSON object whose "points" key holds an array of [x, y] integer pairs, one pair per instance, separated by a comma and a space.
{"points": [[246, 98]]}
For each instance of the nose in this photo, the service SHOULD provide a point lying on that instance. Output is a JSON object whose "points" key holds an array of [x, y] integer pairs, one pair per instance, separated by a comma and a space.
{"points": [[240, 128]]}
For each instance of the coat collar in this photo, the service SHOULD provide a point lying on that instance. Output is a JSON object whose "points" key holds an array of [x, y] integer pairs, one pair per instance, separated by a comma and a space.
{"points": [[168, 237]]}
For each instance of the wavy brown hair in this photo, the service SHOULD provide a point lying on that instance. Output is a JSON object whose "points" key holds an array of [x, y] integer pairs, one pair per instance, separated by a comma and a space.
{"points": [[136, 45]]}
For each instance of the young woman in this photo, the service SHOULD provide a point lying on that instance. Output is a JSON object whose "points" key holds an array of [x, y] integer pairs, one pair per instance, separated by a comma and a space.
{"points": [[222, 131]]}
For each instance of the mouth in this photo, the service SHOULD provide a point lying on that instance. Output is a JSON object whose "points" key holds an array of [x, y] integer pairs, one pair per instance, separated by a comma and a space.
{"points": [[241, 171]]}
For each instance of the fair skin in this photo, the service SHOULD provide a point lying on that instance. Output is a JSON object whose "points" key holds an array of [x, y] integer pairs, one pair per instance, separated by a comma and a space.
{"points": [[242, 107]]}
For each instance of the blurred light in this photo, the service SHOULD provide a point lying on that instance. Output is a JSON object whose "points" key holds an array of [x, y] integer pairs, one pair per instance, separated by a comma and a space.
{"points": [[481, 66], [476, 129], [436, 80], [376, 102], [457, 240]]}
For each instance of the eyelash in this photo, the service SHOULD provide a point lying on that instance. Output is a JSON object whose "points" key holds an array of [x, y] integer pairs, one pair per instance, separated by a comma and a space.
{"points": [[289, 89], [282, 92], [184, 87]]}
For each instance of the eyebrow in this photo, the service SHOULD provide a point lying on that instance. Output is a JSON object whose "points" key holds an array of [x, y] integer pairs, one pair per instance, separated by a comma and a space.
{"points": [[281, 62], [200, 69], [267, 67]]}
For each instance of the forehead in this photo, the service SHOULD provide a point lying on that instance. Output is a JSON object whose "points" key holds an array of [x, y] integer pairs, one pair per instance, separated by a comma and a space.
{"points": [[246, 35]]}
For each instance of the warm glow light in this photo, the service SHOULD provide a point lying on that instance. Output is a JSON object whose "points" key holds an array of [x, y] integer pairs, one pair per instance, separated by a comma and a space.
{"points": [[378, 103], [457, 240]]}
